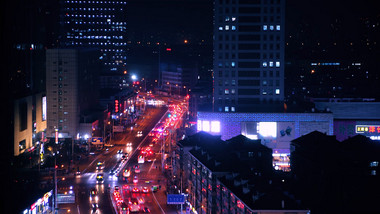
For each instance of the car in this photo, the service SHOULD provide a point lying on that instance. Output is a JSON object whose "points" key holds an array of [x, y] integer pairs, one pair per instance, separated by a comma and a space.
{"points": [[100, 165], [116, 188], [126, 173], [140, 159], [94, 195], [112, 172], [135, 190], [139, 134], [135, 180], [145, 190], [145, 210], [137, 169], [94, 207], [77, 173], [134, 205], [99, 178], [125, 186], [119, 151]]}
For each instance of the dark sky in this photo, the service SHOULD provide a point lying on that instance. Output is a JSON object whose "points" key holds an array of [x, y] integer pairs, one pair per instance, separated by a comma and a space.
{"points": [[194, 17], [170, 18]]}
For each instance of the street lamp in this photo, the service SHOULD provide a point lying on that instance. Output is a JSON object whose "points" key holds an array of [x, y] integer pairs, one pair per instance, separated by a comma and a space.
{"points": [[134, 77]]}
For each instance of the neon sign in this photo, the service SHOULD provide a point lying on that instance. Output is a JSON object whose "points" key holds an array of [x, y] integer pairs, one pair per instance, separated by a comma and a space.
{"points": [[367, 129]]}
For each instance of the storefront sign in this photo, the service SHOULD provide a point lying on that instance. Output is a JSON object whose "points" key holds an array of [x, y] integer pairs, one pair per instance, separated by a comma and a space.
{"points": [[367, 129]]}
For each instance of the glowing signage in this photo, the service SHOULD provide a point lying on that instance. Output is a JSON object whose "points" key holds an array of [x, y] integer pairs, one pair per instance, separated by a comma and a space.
{"points": [[367, 129], [116, 106], [267, 129], [215, 126], [43, 108], [207, 126]]}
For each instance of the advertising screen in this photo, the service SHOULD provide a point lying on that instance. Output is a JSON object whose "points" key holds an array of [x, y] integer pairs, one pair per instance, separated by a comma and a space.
{"points": [[43, 108]]}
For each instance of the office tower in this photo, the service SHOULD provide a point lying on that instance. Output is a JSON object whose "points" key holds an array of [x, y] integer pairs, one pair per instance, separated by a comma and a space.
{"points": [[248, 55], [101, 25]]}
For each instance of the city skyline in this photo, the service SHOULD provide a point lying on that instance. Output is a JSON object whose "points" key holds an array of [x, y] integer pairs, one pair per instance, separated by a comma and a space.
{"points": [[141, 104]]}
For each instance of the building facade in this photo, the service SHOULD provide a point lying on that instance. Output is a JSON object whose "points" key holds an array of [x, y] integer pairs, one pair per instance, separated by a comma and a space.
{"points": [[352, 116], [231, 176], [62, 92], [178, 78], [336, 176], [276, 130], [29, 116], [248, 54], [101, 25]]}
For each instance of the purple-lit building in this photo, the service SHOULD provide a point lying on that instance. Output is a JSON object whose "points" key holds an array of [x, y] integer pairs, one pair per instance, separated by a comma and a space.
{"points": [[352, 116], [276, 130]]}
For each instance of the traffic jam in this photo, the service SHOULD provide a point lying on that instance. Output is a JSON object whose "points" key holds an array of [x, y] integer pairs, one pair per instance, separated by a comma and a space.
{"points": [[130, 198]]}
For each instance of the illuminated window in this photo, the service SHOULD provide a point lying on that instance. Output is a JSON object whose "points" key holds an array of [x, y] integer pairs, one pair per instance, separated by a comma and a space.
{"points": [[215, 126], [277, 91], [206, 126], [278, 27], [233, 19], [220, 28], [226, 91], [374, 164], [270, 64], [271, 27], [233, 109], [265, 27], [265, 64], [227, 27], [233, 27], [226, 109], [277, 64]]}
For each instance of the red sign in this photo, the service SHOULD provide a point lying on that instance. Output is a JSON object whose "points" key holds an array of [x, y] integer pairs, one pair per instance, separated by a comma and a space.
{"points": [[116, 106]]}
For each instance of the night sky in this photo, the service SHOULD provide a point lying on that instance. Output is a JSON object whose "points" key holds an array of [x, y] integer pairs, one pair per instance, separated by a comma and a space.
{"points": [[168, 18]]}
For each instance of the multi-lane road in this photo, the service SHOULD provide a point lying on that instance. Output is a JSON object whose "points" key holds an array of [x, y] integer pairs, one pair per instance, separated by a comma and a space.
{"points": [[130, 144]]}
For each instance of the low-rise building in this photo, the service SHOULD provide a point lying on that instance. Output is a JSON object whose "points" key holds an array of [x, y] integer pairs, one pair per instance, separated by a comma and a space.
{"points": [[334, 176], [229, 176], [275, 130]]}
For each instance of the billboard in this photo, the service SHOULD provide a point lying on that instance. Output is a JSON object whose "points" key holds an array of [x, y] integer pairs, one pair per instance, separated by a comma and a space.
{"points": [[97, 140], [44, 108]]}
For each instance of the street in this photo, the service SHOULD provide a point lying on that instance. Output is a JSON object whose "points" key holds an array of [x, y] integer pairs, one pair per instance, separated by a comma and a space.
{"points": [[130, 144]]}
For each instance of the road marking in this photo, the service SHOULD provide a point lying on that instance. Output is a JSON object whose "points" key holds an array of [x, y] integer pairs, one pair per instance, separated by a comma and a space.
{"points": [[151, 165], [155, 199]]}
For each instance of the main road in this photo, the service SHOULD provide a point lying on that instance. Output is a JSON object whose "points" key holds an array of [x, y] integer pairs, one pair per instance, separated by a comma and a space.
{"points": [[81, 185]]}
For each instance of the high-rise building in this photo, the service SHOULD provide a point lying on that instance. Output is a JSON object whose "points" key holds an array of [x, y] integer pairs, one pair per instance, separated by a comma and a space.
{"points": [[248, 55], [71, 89], [62, 92], [101, 25]]}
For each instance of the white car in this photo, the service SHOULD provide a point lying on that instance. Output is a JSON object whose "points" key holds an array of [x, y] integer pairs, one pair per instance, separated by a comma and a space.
{"points": [[139, 134]]}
